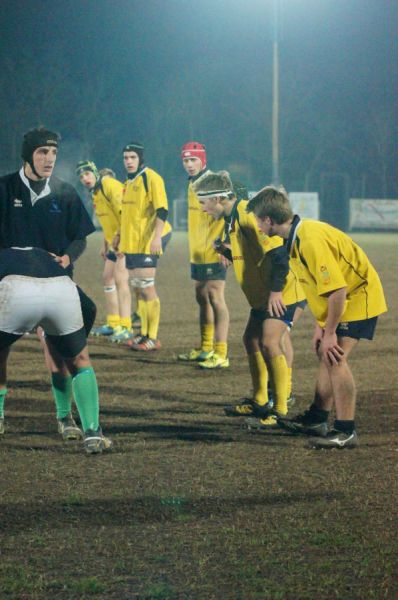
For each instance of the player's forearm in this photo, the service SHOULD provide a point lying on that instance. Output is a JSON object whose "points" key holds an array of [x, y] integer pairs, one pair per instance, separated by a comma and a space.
{"points": [[76, 249], [336, 305], [159, 226], [279, 268]]}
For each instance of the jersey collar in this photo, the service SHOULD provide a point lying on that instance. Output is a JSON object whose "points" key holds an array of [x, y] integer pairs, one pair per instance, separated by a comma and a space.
{"points": [[33, 196], [293, 233], [140, 172], [193, 178]]}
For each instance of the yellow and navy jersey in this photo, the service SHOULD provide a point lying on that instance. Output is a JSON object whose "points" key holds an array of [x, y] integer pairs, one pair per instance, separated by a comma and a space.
{"points": [[142, 197], [252, 260], [202, 231], [107, 202], [325, 259]]}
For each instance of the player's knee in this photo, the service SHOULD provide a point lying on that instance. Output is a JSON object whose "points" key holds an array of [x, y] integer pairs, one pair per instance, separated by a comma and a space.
{"points": [[270, 347]]}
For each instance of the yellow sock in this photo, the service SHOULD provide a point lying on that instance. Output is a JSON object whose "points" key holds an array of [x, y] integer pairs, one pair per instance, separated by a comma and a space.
{"points": [[126, 322], [259, 375], [153, 316], [113, 320], [207, 335], [141, 309], [221, 349], [280, 376], [289, 381]]}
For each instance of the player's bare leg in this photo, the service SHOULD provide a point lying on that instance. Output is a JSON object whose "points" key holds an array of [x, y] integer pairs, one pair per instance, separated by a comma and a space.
{"points": [[3, 384], [216, 293], [342, 382], [61, 387], [149, 309], [122, 277], [85, 392], [273, 331]]}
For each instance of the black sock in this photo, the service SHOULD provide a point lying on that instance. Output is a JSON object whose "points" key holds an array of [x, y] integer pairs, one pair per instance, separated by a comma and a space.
{"points": [[318, 415], [344, 426]]}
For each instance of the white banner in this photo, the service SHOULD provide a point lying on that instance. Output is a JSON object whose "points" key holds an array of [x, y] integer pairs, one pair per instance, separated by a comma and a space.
{"points": [[305, 204], [374, 214]]}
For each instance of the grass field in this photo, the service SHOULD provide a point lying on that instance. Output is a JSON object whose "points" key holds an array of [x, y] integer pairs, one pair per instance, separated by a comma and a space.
{"points": [[190, 505]]}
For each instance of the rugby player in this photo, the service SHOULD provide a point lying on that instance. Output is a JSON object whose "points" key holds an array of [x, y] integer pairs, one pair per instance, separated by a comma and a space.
{"points": [[40, 210], [207, 272], [143, 236], [35, 290], [346, 297], [106, 194], [261, 266]]}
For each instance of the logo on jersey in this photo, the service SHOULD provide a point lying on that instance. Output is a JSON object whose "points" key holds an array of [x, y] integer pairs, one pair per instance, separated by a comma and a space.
{"points": [[54, 208], [325, 274], [17, 203]]}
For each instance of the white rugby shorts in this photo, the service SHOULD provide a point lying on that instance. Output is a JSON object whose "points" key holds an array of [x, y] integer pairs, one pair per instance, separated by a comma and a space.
{"points": [[52, 302]]}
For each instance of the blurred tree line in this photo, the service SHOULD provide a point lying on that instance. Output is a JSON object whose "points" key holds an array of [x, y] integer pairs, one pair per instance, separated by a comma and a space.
{"points": [[323, 141]]}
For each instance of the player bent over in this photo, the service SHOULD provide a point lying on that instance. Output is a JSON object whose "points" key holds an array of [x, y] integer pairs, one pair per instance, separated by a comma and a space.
{"points": [[261, 267], [106, 194], [344, 294], [34, 290]]}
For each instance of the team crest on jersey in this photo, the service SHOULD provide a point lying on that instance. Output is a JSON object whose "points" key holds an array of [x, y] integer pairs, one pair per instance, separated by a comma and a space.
{"points": [[54, 208], [325, 274], [17, 203]]}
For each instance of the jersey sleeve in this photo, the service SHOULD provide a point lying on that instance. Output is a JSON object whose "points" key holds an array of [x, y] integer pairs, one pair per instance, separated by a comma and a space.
{"points": [[79, 224], [322, 264], [114, 191], [158, 192]]}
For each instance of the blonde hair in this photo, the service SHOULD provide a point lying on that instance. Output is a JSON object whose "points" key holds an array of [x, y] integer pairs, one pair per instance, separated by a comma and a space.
{"points": [[106, 171], [271, 202]]}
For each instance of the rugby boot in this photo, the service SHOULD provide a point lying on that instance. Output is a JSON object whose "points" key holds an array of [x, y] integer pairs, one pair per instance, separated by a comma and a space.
{"points": [[136, 321], [134, 340], [68, 428], [243, 408], [104, 330], [266, 424], [120, 335], [305, 424], [214, 362], [335, 439], [95, 442], [146, 345], [196, 355]]}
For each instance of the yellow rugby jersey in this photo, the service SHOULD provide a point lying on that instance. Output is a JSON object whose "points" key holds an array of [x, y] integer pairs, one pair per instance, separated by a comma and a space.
{"points": [[203, 229], [252, 263], [139, 205], [325, 259], [107, 202]]}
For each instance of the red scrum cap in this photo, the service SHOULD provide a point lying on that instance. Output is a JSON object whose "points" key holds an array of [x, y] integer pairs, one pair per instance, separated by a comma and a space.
{"points": [[194, 150]]}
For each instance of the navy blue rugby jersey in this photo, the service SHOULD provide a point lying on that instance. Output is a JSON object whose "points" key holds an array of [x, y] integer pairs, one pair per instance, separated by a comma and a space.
{"points": [[51, 223], [31, 262]]}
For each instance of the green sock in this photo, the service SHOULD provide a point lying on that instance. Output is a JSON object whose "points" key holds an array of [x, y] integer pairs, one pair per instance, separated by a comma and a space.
{"points": [[3, 393], [85, 392], [62, 391]]}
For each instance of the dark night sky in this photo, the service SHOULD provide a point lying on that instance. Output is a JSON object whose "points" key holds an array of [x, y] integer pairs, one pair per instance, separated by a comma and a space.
{"points": [[106, 71]]}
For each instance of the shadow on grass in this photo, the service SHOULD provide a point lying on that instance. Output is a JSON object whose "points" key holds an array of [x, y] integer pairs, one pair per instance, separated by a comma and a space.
{"points": [[18, 517]]}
